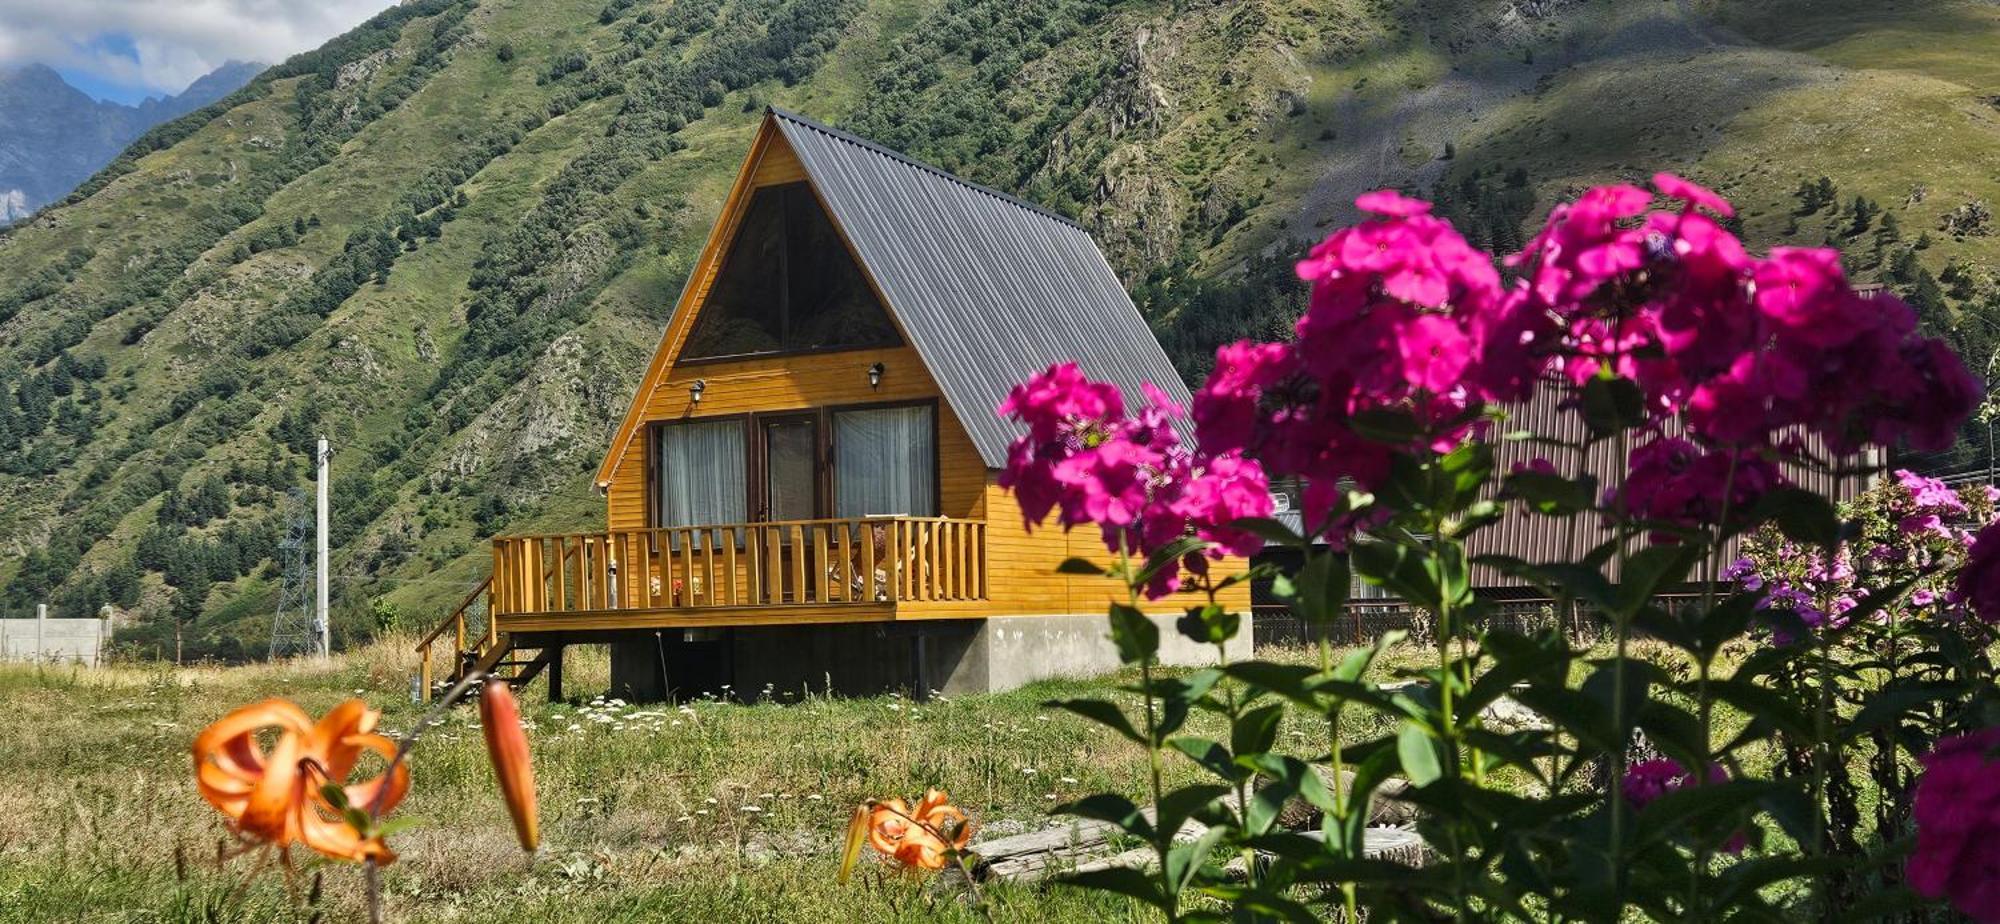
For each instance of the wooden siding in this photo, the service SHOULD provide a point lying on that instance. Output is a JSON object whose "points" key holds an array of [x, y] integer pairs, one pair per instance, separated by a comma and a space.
{"points": [[1021, 569], [790, 383]]}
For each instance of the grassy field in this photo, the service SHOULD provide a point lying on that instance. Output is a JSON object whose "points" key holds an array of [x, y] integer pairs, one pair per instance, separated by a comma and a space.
{"points": [[708, 811]]}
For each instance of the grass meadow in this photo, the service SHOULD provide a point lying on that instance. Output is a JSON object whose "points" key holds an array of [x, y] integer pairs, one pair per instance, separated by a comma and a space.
{"points": [[705, 811], [700, 811]]}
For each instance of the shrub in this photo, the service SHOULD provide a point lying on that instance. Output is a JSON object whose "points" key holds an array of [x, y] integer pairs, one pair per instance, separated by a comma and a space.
{"points": [[1708, 375]]}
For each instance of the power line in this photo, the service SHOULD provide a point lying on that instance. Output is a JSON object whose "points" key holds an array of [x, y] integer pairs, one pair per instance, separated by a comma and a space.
{"points": [[293, 630]]}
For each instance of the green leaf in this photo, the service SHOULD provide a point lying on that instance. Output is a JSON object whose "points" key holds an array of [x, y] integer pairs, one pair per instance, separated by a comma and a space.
{"points": [[1551, 494], [1185, 859], [1270, 530], [1103, 712], [1418, 752], [1132, 883], [1291, 681], [1255, 731], [1763, 702], [1209, 624], [1196, 801], [1211, 755], [1729, 619], [1803, 516], [1137, 637], [1113, 808], [1386, 425], [1169, 555], [1612, 404], [1319, 590], [1083, 566], [1289, 777], [1650, 570]]}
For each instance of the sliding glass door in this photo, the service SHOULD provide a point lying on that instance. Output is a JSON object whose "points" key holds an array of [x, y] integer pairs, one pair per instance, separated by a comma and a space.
{"points": [[791, 469]]}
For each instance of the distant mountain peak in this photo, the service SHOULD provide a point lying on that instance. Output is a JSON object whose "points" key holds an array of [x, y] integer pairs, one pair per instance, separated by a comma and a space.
{"points": [[54, 136]]}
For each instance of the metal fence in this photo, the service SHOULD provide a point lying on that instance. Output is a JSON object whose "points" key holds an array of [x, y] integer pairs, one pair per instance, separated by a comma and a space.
{"points": [[1363, 621]]}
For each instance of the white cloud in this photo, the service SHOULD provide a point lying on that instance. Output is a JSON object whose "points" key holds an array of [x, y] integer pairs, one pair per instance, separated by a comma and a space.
{"points": [[163, 45]]}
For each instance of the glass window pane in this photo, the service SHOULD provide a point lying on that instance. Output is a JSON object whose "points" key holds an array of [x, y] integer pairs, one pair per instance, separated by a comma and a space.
{"points": [[702, 474], [788, 284], [885, 462], [789, 447]]}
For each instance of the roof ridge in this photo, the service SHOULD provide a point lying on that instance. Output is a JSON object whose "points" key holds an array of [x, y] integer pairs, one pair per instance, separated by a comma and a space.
{"points": [[899, 156]]}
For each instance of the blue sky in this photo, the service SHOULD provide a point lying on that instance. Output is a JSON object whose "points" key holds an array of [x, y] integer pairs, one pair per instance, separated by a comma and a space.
{"points": [[115, 44], [127, 50]]}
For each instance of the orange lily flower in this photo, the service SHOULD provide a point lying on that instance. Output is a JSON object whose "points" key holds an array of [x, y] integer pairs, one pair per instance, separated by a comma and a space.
{"points": [[273, 796], [507, 745], [921, 838]]}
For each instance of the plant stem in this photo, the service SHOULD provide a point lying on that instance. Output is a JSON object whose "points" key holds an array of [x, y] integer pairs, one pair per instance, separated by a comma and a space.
{"points": [[372, 876], [1342, 794], [1622, 627], [1162, 838]]}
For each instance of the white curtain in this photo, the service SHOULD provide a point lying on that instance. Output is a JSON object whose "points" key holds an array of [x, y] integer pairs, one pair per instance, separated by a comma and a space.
{"points": [[702, 474], [885, 461]]}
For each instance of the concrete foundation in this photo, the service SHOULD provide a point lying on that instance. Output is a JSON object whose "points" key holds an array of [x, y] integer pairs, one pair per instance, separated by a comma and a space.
{"points": [[953, 657]]}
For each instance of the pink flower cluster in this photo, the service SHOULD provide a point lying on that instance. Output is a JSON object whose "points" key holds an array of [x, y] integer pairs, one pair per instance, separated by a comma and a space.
{"points": [[1086, 460], [1979, 582], [1934, 509], [1404, 314], [1672, 481], [1752, 348], [1648, 780], [1957, 812]]}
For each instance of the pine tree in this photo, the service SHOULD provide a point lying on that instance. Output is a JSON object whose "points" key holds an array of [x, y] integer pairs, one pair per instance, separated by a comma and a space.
{"points": [[1864, 214], [1903, 269], [1927, 298]]}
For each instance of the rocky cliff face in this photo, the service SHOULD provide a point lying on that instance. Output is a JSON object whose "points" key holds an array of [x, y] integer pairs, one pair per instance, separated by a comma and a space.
{"points": [[53, 136]]}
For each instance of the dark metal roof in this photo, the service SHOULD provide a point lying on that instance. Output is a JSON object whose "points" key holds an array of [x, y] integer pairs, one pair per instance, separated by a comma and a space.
{"points": [[988, 288]]}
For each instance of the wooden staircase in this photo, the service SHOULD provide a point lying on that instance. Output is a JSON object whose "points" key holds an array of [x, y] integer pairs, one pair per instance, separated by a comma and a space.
{"points": [[477, 646]]}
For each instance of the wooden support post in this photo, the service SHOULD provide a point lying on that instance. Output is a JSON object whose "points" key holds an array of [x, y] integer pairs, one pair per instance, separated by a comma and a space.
{"points": [[556, 674]]}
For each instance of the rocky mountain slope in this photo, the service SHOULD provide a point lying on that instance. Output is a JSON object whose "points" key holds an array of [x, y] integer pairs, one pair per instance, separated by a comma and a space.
{"points": [[53, 137], [449, 239]]}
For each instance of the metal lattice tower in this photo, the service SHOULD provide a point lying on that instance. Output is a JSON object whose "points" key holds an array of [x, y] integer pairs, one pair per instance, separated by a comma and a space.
{"points": [[295, 630]]}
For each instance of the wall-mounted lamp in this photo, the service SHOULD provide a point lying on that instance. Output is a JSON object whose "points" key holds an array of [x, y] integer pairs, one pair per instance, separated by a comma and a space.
{"points": [[875, 375], [695, 390]]}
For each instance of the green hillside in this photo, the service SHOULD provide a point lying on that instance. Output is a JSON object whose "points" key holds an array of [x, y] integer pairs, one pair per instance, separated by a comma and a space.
{"points": [[449, 238]]}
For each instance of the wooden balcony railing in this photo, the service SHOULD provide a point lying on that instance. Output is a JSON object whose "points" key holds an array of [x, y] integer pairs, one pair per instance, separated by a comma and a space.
{"points": [[741, 565]]}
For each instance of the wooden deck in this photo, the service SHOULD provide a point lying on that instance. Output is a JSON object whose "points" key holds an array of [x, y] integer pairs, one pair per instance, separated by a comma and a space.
{"points": [[801, 572]]}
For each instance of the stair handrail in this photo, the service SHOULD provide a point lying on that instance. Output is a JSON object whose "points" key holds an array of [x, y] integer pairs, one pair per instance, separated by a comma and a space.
{"points": [[457, 613]]}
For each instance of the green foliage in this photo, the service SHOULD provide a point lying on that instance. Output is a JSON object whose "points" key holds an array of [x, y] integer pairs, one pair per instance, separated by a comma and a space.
{"points": [[1810, 809]]}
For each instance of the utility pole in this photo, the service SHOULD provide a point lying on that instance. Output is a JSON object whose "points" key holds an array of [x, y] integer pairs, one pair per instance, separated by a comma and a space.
{"points": [[322, 458]]}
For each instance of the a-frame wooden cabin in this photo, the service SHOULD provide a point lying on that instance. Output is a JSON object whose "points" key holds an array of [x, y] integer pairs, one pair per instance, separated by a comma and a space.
{"points": [[803, 492]]}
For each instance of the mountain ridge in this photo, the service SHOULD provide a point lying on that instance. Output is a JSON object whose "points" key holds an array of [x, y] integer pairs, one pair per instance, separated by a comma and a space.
{"points": [[57, 136]]}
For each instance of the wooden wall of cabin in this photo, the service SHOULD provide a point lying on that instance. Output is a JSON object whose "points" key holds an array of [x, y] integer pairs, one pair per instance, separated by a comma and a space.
{"points": [[786, 383], [1021, 568]]}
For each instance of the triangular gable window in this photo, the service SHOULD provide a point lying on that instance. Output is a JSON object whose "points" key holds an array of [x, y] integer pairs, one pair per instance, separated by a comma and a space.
{"points": [[788, 285]]}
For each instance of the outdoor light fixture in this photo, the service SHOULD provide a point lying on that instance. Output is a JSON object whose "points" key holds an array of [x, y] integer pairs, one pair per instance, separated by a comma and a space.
{"points": [[875, 376], [695, 390]]}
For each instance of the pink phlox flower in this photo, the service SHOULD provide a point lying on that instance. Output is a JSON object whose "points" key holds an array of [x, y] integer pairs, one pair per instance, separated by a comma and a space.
{"points": [[1648, 780], [1392, 204], [1061, 399], [1957, 813], [1979, 581], [1694, 194]]}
